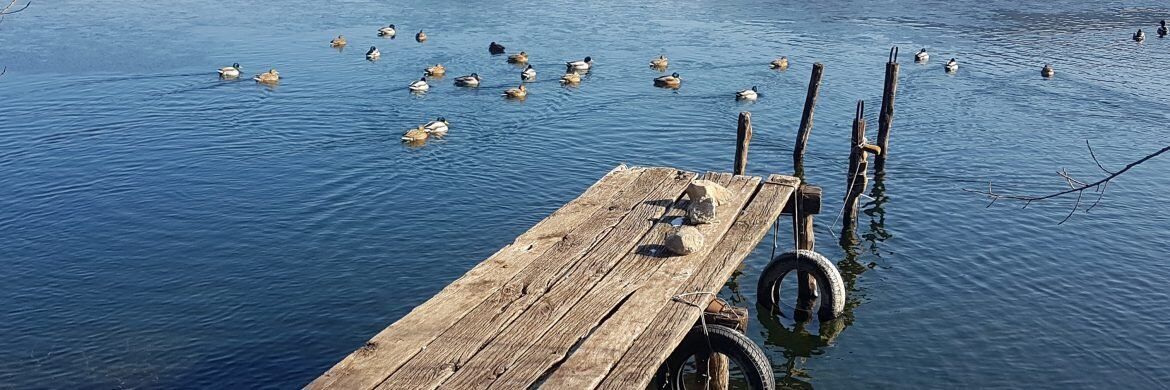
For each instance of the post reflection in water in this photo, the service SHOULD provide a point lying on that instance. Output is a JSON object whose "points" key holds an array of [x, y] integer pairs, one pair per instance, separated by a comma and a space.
{"points": [[799, 344], [800, 336], [876, 211]]}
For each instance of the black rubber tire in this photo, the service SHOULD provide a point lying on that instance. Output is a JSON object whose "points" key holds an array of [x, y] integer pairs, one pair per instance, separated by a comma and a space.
{"points": [[738, 348], [829, 283]]}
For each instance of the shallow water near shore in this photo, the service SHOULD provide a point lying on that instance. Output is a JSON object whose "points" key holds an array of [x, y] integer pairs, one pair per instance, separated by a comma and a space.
{"points": [[162, 228]]}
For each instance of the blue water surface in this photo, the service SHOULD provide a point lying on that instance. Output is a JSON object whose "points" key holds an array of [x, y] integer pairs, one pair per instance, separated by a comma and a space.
{"points": [[161, 228]]}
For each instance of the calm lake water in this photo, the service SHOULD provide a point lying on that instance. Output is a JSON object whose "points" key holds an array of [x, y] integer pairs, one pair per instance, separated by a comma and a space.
{"points": [[161, 228]]}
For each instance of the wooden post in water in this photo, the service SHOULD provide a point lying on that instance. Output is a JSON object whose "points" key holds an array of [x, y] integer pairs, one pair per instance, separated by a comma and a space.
{"points": [[717, 369], [802, 223], [806, 118], [743, 137], [886, 117], [855, 178]]}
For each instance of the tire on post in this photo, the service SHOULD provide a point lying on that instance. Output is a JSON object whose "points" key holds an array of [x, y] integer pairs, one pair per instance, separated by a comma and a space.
{"points": [[738, 348], [829, 283]]}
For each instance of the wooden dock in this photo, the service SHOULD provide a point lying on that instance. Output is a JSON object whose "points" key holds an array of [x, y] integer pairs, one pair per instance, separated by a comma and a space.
{"points": [[587, 298]]}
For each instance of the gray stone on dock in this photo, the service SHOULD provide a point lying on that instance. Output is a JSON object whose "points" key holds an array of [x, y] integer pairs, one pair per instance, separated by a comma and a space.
{"points": [[684, 240], [699, 189], [702, 211]]}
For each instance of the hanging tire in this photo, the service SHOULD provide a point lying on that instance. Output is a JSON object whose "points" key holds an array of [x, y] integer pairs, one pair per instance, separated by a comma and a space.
{"points": [[738, 349], [829, 283]]}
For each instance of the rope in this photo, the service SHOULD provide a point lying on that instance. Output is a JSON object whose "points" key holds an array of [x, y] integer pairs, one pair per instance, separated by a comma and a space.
{"points": [[702, 322], [852, 178]]}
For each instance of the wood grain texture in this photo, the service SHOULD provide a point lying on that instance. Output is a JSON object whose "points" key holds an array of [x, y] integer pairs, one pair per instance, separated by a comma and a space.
{"points": [[577, 298], [623, 225], [886, 116], [806, 117], [385, 352], [500, 355], [589, 363], [652, 346], [802, 225], [622, 288], [743, 139]]}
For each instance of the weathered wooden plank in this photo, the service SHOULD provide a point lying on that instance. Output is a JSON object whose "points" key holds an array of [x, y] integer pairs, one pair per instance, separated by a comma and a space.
{"points": [[545, 312], [621, 228], [618, 286], [586, 367], [652, 346], [385, 352], [500, 355]]}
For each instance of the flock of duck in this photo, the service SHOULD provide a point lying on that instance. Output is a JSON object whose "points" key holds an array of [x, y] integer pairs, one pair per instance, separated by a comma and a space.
{"points": [[572, 76], [438, 127]]}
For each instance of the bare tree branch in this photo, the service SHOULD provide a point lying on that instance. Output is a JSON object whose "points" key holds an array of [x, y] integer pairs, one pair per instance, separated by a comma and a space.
{"points": [[1100, 194], [1094, 155], [7, 9], [1073, 210], [1075, 186]]}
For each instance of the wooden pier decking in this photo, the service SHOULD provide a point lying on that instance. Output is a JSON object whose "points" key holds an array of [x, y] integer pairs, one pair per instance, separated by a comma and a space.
{"points": [[587, 298]]}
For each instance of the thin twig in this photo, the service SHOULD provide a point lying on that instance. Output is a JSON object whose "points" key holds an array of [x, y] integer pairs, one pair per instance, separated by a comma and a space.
{"points": [[7, 10], [1074, 209], [1084, 186], [1072, 183], [1095, 158], [1100, 194], [1075, 186]]}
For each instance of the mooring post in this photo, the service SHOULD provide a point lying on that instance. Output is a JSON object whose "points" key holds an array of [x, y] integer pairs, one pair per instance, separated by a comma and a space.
{"points": [[855, 180], [743, 137], [802, 224], [716, 369], [886, 117], [806, 118]]}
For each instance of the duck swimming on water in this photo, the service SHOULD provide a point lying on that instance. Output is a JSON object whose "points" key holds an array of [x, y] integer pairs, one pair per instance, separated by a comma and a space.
{"points": [[1047, 71], [528, 74], [660, 63], [1162, 31], [571, 77], [921, 56], [421, 36], [387, 31], [518, 58], [584, 64], [419, 85], [496, 48], [748, 94], [338, 42], [437, 127], [230, 72], [516, 93], [417, 134], [951, 66], [779, 63], [437, 70], [671, 81], [471, 80], [373, 53], [1139, 36], [269, 77]]}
